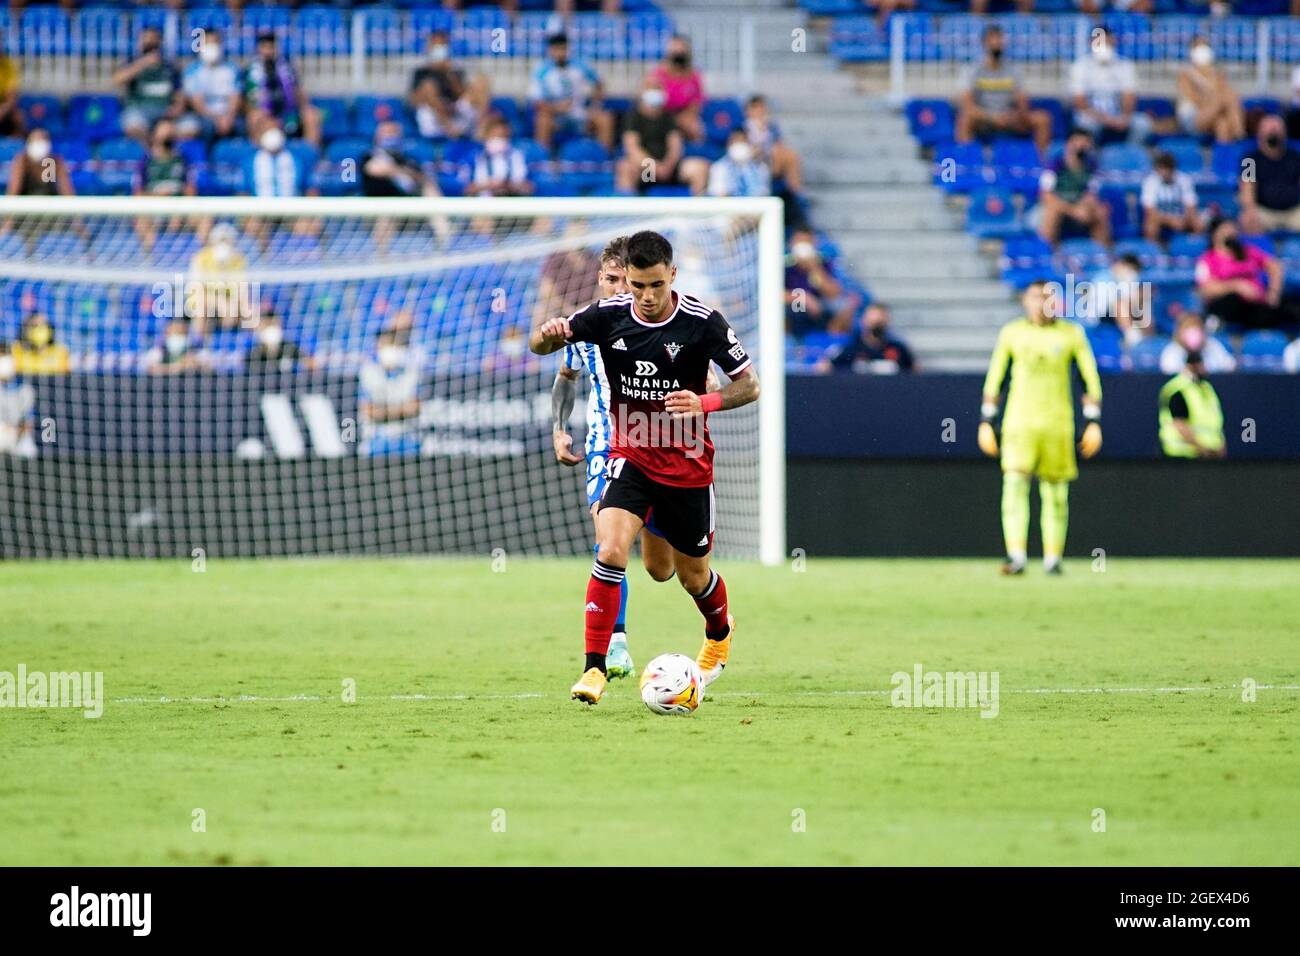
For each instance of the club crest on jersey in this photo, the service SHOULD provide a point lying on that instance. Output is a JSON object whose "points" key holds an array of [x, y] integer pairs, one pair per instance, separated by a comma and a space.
{"points": [[672, 348]]}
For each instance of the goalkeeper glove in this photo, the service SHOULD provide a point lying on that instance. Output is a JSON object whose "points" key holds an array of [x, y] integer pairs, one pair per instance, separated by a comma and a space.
{"points": [[1090, 443], [988, 439]]}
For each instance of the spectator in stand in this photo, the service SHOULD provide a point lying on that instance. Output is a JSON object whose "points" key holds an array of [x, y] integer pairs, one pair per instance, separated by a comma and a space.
{"points": [[274, 169], [499, 167], [765, 137], [509, 6], [1241, 283], [1190, 338], [874, 351], [445, 104], [683, 88], [1270, 201], [387, 171], [815, 300], [1094, 7], [570, 276], [982, 6], [271, 90], [653, 148], [217, 276], [565, 8], [1168, 201], [1103, 87], [1118, 295], [1207, 103], [164, 172], [1293, 108], [389, 401], [511, 356], [37, 171], [567, 96], [17, 405], [37, 352], [1067, 193], [884, 8], [739, 172], [12, 122], [176, 353], [273, 352], [152, 88], [211, 88], [994, 100]]}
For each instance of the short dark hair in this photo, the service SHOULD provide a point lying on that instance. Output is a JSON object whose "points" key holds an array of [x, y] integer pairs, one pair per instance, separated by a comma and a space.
{"points": [[616, 250], [266, 36], [992, 30], [647, 249], [1131, 259], [1165, 160], [557, 39]]}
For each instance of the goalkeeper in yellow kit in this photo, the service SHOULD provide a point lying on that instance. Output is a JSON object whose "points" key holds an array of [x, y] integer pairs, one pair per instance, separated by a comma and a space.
{"points": [[1038, 422]]}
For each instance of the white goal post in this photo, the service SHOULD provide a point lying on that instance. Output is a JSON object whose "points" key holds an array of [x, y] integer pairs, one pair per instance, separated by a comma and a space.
{"points": [[81, 475]]}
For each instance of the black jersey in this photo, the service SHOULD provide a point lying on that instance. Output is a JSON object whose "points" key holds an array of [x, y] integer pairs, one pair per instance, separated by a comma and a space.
{"points": [[645, 361]]}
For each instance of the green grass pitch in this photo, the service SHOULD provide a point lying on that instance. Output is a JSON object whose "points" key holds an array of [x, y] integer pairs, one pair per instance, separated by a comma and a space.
{"points": [[462, 746]]}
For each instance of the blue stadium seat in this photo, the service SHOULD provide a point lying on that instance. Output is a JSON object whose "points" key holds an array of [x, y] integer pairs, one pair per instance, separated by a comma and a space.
{"points": [[1144, 356], [1082, 256], [1108, 347], [44, 111], [1186, 152], [992, 214], [94, 116], [931, 121], [335, 116], [1024, 259], [1124, 162], [370, 111], [1226, 159], [960, 167], [720, 117], [1262, 350], [1017, 165], [1148, 252]]}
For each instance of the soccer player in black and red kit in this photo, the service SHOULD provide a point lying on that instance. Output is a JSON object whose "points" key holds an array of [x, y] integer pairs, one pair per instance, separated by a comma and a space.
{"points": [[656, 345]]}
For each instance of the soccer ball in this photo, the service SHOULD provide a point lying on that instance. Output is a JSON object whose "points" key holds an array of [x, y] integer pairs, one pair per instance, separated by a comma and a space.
{"points": [[672, 684]]}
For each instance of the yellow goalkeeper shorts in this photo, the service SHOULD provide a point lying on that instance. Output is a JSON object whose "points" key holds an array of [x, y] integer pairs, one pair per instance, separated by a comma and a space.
{"points": [[1045, 452]]}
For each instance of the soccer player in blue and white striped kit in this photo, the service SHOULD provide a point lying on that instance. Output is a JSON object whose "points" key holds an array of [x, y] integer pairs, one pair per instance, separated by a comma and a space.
{"points": [[581, 357]]}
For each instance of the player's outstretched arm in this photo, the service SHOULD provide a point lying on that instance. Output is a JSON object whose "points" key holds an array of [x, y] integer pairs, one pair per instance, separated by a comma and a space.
{"points": [[551, 336], [740, 391]]}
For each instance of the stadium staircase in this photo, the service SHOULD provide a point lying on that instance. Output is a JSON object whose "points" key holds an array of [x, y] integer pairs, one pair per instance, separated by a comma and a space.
{"points": [[874, 194]]}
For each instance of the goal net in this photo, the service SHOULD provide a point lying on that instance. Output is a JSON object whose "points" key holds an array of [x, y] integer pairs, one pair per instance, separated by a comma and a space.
{"points": [[246, 377]]}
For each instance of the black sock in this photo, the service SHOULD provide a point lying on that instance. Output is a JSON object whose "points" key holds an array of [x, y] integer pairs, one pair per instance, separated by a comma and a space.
{"points": [[595, 660]]}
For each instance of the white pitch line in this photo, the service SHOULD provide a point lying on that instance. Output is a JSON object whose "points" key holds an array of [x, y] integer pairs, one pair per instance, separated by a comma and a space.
{"points": [[256, 699]]}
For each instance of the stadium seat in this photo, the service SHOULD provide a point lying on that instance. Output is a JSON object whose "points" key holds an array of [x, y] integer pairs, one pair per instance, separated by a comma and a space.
{"points": [[1023, 259], [931, 121], [44, 111], [720, 117], [1225, 160], [585, 163], [1082, 256], [336, 117], [1262, 351], [960, 167], [370, 111], [992, 214], [1144, 356], [94, 116], [1123, 162], [1108, 348]]}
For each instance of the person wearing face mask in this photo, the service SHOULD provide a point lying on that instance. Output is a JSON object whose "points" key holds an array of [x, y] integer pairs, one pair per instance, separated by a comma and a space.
{"points": [[499, 168], [272, 352], [211, 88], [37, 170], [511, 356], [1190, 337], [175, 353], [216, 279], [152, 88], [994, 100], [1270, 202], [567, 97], [1067, 194], [273, 169], [445, 104], [1242, 284], [17, 405], [815, 299], [1207, 103], [653, 148], [683, 88], [739, 172], [1103, 88], [389, 400], [164, 173], [37, 352], [272, 91], [875, 351], [1190, 416]]}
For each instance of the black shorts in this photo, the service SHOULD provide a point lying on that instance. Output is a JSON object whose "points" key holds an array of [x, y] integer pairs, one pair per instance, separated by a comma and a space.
{"points": [[684, 517]]}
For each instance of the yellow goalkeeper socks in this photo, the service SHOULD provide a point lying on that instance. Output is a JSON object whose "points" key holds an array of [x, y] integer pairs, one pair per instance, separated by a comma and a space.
{"points": [[1054, 496], [1015, 514]]}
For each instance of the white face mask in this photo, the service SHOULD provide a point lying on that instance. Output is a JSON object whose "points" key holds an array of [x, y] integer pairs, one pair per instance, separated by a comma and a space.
{"points": [[653, 99], [210, 53], [438, 53], [8, 368], [512, 348], [803, 250], [223, 252], [176, 343], [38, 149], [497, 144], [273, 140], [1202, 55], [271, 336], [740, 152], [392, 356], [1104, 53]]}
